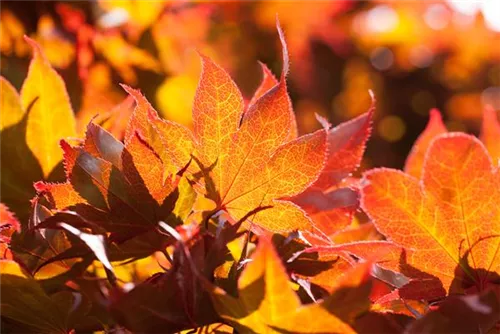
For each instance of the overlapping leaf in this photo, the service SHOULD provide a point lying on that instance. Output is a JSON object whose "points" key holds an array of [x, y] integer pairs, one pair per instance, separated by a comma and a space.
{"points": [[174, 300], [330, 201], [122, 189], [267, 303], [490, 132], [32, 125], [249, 160], [447, 222], [51, 116]]}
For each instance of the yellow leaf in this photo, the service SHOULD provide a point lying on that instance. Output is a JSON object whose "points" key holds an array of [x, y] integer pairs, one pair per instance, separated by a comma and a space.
{"points": [[9, 104], [267, 303], [51, 117], [9, 267]]}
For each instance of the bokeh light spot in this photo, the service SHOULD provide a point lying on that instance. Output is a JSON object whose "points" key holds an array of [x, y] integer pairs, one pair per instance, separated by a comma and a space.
{"points": [[391, 128], [382, 58], [382, 19], [437, 16]]}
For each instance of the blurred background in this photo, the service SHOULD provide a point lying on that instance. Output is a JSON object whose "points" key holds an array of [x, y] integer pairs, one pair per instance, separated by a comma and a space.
{"points": [[414, 55]]}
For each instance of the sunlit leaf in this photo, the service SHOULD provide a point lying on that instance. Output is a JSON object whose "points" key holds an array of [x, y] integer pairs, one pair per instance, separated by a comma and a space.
{"points": [[266, 301], [415, 161], [50, 116], [447, 221], [251, 163]]}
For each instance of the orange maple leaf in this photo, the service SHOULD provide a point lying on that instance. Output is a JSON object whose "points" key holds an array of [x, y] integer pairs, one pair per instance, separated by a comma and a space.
{"points": [[490, 132], [251, 160], [120, 187], [448, 221], [415, 160]]}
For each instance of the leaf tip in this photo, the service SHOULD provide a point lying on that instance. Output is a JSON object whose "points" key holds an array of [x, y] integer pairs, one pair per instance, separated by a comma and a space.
{"points": [[284, 48], [128, 89], [435, 115], [323, 121], [37, 50]]}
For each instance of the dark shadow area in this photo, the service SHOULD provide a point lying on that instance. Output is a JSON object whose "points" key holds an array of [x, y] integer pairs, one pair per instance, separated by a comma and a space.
{"points": [[170, 301], [471, 280], [20, 169], [422, 286], [461, 314], [205, 173]]}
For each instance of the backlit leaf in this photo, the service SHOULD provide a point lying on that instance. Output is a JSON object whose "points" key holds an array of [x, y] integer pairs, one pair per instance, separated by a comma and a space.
{"points": [[10, 104], [50, 115], [448, 221], [251, 163], [415, 161], [330, 203], [122, 188], [267, 303]]}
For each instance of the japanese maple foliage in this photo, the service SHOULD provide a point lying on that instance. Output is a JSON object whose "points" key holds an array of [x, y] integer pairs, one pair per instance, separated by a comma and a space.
{"points": [[240, 225], [447, 221]]}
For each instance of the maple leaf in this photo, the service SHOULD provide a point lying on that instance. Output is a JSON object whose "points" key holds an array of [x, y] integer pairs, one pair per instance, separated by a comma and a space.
{"points": [[332, 199], [415, 160], [32, 125], [251, 162], [51, 116], [490, 131], [447, 222], [253, 157], [267, 303], [121, 188]]}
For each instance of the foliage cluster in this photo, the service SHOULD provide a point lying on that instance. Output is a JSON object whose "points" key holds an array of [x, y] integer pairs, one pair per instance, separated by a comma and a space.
{"points": [[240, 225]]}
